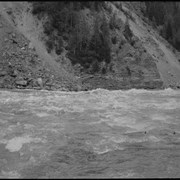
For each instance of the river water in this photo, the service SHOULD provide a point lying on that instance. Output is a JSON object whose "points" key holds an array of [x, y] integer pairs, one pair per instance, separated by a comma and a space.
{"points": [[99, 133]]}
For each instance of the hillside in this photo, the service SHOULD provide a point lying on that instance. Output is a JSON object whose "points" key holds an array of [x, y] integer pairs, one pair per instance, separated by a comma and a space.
{"points": [[80, 46]]}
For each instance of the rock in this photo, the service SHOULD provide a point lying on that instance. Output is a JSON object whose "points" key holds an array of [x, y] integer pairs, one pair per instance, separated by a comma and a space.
{"points": [[178, 85], [37, 88], [9, 65], [9, 11], [23, 48], [31, 46], [14, 74], [49, 84], [13, 35], [5, 39], [129, 59], [20, 78], [4, 53], [21, 82], [3, 73], [40, 82], [77, 88], [1, 25], [14, 41], [63, 89], [9, 31]]}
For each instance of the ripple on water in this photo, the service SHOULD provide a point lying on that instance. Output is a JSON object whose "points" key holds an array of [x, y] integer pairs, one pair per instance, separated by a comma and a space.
{"points": [[107, 131]]}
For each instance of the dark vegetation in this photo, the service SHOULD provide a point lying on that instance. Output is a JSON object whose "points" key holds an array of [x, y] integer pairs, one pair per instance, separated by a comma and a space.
{"points": [[166, 17], [127, 32], [66, 22]]}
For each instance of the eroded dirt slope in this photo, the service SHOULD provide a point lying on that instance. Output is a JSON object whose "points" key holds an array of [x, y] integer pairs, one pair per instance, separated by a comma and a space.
{"points": [[166, 60], [21, 45]]}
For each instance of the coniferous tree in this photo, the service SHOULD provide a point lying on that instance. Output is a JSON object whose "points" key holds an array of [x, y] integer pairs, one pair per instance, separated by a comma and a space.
{"points": [[105, 40], [169, 31], [100, 42], [127, 31], [166, 14]]}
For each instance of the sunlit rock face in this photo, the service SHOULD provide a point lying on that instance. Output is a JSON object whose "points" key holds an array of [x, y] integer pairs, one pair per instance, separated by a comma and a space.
{"points": [[98, 133]]}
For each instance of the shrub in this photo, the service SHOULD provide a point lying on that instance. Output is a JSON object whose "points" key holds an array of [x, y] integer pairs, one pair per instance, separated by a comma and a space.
{"points": [[127, 31], [48, 29], [108, 8], [95, 67], [49, 45], [59, 50], [114, 40], [111, 67], [118, 5], [128, 71], [103, 41], [115, 22], [103, 70], [38, 8]]}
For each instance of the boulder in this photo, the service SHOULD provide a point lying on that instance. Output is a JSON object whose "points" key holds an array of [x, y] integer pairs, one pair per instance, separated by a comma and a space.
{"points": [[21, 82], [9, 11], [129, 59], [40, 82], [78, 88], [3, 73], [5, 39], [14, 41], [31, 46], [13, 35], [14, 74]]}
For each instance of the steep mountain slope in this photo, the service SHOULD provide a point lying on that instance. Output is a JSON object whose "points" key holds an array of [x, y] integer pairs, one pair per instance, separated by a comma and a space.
{"points": [[139, 57], [166, 61], [14, 20]]}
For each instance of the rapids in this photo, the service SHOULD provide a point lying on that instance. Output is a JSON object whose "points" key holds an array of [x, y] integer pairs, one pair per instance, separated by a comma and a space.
{"points": [[99, 133]]}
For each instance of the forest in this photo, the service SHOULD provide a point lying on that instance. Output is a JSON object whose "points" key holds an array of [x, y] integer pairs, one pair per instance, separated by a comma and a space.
{"points": [[89, 46], [166, 17]]}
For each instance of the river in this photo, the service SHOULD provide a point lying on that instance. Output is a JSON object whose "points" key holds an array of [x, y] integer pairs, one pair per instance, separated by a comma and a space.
{"points": [[99, 133]]}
